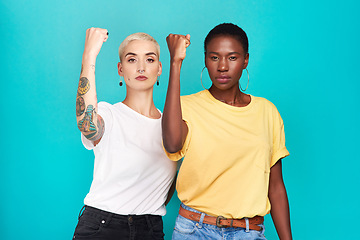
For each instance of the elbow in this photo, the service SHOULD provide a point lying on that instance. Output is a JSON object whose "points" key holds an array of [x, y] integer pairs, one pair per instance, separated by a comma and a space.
{"points": [[171, 146]]}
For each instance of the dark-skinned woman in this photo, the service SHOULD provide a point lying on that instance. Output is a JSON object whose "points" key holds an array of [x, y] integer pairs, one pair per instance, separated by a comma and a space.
{"points": [[231, 143]]}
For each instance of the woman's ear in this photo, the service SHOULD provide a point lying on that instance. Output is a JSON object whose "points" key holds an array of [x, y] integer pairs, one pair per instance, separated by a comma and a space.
{"points": [[160, 69], [246, 62], [205, 59], [120, 69]]}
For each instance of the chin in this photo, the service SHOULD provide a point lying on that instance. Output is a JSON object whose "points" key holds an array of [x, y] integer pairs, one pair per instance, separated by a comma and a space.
{"points": [[223, 87], [141, 86]]}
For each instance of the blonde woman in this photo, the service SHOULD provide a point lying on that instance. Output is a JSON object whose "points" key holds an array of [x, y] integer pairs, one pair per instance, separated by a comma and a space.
{"points": [[132, 175]]}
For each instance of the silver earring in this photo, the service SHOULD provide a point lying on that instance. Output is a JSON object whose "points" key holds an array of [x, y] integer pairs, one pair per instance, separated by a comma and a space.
{"points": [[158, 81], [247, 82], [201, 77], [121, 82]]}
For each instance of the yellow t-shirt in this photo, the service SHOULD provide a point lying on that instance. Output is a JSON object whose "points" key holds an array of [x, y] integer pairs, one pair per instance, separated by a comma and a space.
{"points": [[228, 154]]}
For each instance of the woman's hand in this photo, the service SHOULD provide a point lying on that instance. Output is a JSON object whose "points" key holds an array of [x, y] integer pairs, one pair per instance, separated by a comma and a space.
{"points": [[177, 45], [95, 37]]}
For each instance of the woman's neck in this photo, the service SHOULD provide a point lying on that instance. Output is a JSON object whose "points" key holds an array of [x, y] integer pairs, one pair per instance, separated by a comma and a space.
{"points": [[233, 96], [142, 102]]}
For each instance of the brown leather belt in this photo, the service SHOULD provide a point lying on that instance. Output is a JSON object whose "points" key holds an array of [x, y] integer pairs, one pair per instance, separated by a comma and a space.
{"points": [[222, 222]]}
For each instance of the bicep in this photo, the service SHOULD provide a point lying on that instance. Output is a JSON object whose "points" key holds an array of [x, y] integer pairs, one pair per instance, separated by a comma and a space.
{"points": [[276, 180]]}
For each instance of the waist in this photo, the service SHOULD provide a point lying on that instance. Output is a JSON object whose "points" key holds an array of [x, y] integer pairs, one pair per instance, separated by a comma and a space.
{"points": [[220, 221], [106, 214]]}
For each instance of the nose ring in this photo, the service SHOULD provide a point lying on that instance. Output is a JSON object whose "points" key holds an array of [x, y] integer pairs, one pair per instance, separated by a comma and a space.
{"points": [[141, 71]]}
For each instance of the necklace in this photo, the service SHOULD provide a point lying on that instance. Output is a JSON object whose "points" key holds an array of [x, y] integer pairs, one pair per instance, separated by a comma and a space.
{"points": [[231, 102]]}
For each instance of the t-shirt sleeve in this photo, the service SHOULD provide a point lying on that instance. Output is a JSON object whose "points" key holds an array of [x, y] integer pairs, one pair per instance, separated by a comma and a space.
{"points": [[278, 149], [104, 110]]}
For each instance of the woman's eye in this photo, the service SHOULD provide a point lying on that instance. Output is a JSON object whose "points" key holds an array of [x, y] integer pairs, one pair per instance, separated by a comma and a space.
{"points": [[232, 58], [151, 60], [130, 60]]}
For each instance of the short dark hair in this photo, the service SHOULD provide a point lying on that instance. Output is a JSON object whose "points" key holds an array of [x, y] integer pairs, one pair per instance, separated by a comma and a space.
{"points": [[228, 29]]}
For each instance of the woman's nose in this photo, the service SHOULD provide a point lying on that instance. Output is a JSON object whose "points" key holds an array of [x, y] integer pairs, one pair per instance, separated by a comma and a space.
{"points": [[141, 67], [223, 65]]}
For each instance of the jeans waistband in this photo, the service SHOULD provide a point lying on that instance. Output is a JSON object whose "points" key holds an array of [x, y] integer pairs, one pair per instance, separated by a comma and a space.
{"points": [[107, 214]]}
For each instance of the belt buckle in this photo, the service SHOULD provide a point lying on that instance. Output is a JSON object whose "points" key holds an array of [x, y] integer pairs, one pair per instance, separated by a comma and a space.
{"points": [[218, 219]]}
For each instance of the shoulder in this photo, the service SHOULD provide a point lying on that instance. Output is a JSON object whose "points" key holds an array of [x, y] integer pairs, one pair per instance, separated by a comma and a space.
{"points": [[109, 106], [194, 96], [199, 97], [103, 104], [107, 110], [263, 102]]}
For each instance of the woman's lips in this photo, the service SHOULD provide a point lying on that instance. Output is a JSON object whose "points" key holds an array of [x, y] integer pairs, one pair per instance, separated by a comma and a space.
{"points": [[223, 79], [141, 78]]}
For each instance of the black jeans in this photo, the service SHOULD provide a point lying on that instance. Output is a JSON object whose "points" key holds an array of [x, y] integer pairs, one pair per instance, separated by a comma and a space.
{"points": [[96, 224]]}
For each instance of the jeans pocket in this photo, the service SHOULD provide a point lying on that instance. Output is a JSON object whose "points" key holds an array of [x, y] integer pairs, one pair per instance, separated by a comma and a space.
{"points": [[184, 225], [87, 226]]}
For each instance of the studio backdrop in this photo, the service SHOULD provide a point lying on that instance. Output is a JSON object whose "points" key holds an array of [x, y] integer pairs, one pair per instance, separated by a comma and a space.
{"points": [[304, 57]]}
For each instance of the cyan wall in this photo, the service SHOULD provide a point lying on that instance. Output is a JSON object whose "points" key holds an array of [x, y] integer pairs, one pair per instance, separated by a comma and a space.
{"points": [[304, 57]]}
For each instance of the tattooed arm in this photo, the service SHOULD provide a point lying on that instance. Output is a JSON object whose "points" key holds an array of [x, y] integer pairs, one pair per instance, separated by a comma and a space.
{"points": [[89, 122]]}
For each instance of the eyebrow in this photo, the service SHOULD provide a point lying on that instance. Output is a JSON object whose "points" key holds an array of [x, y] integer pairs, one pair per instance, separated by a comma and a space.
{"points": [[227, 54], [134, 54]]}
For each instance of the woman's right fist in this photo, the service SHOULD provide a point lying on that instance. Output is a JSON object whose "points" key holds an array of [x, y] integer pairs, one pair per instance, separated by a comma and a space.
{"points": [[177, 45], [95, 37]]}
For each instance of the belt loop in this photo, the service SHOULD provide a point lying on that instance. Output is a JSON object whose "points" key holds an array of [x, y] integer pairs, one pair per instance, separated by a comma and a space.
{"points": [[247, 225], [108, 218], [201, 220]]}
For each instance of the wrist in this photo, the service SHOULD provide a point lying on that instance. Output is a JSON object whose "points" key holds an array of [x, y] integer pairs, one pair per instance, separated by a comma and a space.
{"points": [[88, 58], [176, 62]]}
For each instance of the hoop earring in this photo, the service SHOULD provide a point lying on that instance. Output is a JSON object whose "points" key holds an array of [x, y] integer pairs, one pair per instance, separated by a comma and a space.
{"points": [[201, 78], [247, 82], [158, 81], [121, 81]]}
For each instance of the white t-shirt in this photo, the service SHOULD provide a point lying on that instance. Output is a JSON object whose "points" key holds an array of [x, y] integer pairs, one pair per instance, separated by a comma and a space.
{"points": [[132, 174]]}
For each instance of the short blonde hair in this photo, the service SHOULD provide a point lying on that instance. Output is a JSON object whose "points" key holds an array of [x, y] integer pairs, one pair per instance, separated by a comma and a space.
{"points": [[137, 36]]}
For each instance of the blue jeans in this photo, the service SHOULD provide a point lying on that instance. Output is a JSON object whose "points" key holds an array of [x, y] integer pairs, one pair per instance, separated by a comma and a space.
{"points": [[96, 224], [188, 229]]}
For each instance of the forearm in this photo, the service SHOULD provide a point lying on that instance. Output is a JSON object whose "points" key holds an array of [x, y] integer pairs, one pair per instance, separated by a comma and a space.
{"points": [[89, 122], [280, 212], [174, 128]]}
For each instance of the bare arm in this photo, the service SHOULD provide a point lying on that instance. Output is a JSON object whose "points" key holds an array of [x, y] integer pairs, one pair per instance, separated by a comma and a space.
{"points": [[89, 122], [279, 203], [174, 128]]}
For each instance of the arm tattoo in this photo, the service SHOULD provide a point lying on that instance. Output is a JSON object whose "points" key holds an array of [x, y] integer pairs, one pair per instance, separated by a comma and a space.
{"points": [[101, 128], [80, 106], [84, 86], [87, 126]]}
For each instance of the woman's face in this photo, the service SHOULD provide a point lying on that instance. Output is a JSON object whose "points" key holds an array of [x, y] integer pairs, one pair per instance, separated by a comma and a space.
{"points": [[225, 60], [140, 65]]}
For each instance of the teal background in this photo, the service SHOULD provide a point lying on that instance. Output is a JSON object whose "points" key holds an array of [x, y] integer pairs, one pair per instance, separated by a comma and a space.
{"points": [[304, 57]]}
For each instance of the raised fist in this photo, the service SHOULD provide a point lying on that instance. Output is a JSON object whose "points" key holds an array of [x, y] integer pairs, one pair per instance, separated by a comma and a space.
{"points": [[177, 45], [95, 37]]}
